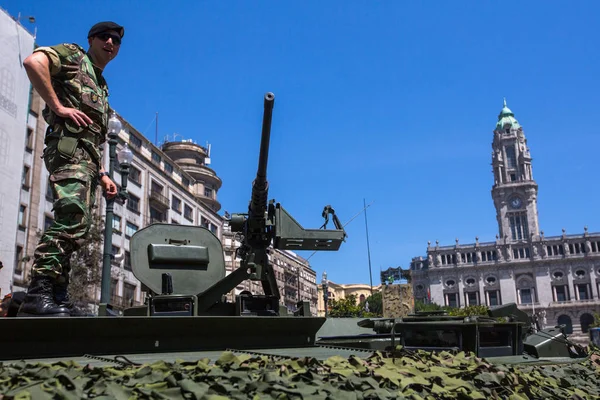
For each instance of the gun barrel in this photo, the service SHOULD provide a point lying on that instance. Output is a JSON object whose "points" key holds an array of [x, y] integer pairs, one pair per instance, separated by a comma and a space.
{"points": [[261, 175], [258, 203]]}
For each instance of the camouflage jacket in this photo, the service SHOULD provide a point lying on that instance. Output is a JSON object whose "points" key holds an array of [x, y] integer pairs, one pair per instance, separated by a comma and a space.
{"points": [[78, 84]]}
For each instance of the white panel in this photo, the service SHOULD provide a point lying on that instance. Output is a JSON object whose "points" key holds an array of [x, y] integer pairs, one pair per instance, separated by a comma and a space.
{"points": [[16, 44]]}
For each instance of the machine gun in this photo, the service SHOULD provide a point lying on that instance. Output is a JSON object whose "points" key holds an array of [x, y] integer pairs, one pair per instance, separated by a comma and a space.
{"points": [[183, 266]]}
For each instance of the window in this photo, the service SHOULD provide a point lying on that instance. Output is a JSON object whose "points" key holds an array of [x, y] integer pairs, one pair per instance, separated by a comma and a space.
{"points": [[49, 192], [452, 300], [518, 225], [204, 222], [18, 260], [561, 293], [156, 157], [493, 298], [113, 289], [558, 275], [576, 248], [25, 177], [526, 296], [176, 204], [213, 228], [130, 229], [48, 221], [208, 192], [155, 187], [22, 212], [135, 141], [133, 204], [127, 263], [521, 253], [187, 213], [488, 255], [156, 216], [128, 294], [135, 175], [555, 250], [29, 140], [581, 291], [116, 224], [511, 159], [168, 168], [472, 298], [114, 251], [185, 181]]}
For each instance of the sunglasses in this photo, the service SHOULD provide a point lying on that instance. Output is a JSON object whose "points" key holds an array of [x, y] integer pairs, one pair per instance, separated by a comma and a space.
{"points": [[104, 37]]}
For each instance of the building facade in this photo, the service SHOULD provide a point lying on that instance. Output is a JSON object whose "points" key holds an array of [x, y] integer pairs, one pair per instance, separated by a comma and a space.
{"points": [[166, 184], [336, 291], [556, 277], [16, 43]]}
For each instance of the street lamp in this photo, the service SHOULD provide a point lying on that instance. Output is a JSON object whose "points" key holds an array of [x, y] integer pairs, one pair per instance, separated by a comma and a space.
{"points": [[324, 285], [125, 157]]}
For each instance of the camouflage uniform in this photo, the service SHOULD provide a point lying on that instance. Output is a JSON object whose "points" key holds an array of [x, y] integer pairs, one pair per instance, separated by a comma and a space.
{"points": [[72, 156]]}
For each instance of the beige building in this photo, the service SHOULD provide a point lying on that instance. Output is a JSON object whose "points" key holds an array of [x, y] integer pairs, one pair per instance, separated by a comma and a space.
{"points": [[557, 277], [171, 183], [16, 43], [341, 291]]}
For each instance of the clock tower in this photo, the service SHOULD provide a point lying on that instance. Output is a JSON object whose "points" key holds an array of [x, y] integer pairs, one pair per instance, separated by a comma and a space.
{"points": [[514, 191]]}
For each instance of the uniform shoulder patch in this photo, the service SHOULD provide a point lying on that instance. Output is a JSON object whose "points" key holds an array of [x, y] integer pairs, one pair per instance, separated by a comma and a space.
{"points": [[68, 49]]}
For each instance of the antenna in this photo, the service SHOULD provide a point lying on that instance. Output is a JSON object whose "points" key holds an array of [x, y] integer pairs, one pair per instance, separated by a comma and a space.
{"points": [[156, 133], [207, 159], [368, 247]]}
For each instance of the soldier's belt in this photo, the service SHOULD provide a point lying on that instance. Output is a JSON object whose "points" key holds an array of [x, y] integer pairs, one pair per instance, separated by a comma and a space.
{"points": [[69, 142]]}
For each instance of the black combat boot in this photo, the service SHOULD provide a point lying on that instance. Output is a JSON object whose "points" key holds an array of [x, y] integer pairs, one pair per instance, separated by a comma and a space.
{"points": [[39, 300], [62, 298]]}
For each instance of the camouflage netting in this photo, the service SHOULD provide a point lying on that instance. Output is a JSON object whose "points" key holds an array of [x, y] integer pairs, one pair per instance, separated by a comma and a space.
{"points": [[413, 375]]}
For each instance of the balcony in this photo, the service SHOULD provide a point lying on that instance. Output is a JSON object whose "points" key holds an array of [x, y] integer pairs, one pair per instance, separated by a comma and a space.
{"points": [[571, 303], [210, 202], [158, 200]]}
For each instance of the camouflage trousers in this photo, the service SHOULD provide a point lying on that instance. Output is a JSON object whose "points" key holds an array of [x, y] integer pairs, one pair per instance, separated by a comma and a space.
{"points": [[74, 182]]}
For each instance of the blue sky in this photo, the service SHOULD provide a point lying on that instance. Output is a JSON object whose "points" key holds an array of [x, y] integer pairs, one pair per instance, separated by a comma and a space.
{"points": [[389, 101]]}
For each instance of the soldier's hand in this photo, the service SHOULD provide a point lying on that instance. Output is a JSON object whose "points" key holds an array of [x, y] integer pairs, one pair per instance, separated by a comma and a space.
{"points": [[77, 116], [109, 187]]}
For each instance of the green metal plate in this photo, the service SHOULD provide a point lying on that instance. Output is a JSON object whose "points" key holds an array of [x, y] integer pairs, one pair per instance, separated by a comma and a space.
{"points": [[67, 337]]}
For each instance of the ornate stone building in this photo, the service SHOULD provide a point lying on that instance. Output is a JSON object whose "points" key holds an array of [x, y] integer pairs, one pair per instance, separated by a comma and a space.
{"points": [[557, 277]]}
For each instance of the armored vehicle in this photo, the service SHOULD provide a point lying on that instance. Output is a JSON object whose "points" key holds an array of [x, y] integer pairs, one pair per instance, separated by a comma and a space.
{"points": [[182, 269]]}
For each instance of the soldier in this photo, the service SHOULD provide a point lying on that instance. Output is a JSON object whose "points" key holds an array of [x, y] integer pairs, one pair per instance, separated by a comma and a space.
{"points": [[70, 81]]}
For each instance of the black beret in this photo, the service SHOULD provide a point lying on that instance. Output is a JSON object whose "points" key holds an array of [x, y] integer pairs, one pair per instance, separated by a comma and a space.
{"points": [[106, 26]]}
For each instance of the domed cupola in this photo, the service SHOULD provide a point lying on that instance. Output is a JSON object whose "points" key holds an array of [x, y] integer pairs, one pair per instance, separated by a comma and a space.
{"points": [[506, 117]]}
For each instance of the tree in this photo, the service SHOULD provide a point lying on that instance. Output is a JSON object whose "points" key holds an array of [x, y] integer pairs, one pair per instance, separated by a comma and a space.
{"points": [[348, 308], [453, 311], [86, 270], [424, 307], [375, 304], [596, 323]]}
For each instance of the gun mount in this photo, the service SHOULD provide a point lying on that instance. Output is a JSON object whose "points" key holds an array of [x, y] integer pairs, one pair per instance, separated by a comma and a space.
{"points": [[183, 267]]}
